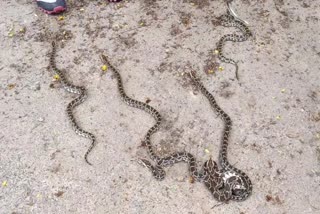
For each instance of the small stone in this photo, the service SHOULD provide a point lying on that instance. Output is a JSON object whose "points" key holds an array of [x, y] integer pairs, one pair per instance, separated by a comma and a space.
{"points": [[11, 86], [268, 198], [181, 179], [36, 87], [41, 119], [22, 30], [210, 71], [292, 135], [59, 193]]}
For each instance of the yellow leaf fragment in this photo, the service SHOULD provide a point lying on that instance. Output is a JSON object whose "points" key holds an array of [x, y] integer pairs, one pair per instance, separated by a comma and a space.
{"points": [[210, 71], [56, 77], [104, 67], [191, 179], [207, 151], [216, 51], [11, 32], [283, 90], [22, 30], [278, 117], [221, 68], [11, 86], [4, 183], [60, 18], [81, 9]]}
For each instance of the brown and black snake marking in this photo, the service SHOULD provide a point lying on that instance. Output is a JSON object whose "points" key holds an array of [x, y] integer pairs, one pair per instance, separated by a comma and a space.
{"points": [[229, 20], [211, 176], [79, 90], [157, 170], [220, 190], [241, 186]]}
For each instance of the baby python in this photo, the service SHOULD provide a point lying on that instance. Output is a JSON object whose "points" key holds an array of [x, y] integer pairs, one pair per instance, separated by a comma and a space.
{"points": [[82, 95], [223, 189], [232, 20], [239, 182]]}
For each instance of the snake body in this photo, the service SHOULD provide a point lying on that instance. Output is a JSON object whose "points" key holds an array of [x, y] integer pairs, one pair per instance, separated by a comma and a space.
{"points": [[82, 95], [230, 20], [240, 183], [209, 174]]}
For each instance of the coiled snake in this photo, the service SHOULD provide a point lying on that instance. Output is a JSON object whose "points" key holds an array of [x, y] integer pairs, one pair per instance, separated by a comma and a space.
{"points": [[79, 90], [239, 182], [232, 20]]}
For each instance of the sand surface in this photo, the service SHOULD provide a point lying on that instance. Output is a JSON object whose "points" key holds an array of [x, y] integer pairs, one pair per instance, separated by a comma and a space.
{"points": [[275, 107]]}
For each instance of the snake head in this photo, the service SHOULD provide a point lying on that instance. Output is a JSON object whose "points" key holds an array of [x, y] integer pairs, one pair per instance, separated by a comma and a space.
{"points": [[104, 58], [193, 75], [210, 167], [220, 190]]}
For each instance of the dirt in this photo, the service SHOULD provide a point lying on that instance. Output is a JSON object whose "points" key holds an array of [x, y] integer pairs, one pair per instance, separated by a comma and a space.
{"points": [[275, 106]]}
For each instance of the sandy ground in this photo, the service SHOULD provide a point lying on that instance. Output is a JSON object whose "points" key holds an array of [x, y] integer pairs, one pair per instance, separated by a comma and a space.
{"points": [[275, 108]]}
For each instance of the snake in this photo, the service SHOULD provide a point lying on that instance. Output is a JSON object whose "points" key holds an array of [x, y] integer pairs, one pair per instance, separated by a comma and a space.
{"points": [[238, 181], [82, 95], [210, 175], [230, 19]]}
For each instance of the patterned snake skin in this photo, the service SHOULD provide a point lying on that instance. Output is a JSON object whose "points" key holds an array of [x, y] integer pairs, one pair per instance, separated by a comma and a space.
{"points": [[157, 170], [238, 181], [231, 20], [210, 174], [79, 90]]}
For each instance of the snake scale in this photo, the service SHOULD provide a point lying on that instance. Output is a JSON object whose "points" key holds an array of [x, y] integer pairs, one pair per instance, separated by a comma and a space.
{"points": [[156, 170], [222, 189], [232, 20], [240, 183], [82, 95]]}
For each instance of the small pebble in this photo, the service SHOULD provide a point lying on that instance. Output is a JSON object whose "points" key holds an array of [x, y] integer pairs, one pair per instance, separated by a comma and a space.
{"points": [[211, 71], [180, 179], [36, 87]]}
